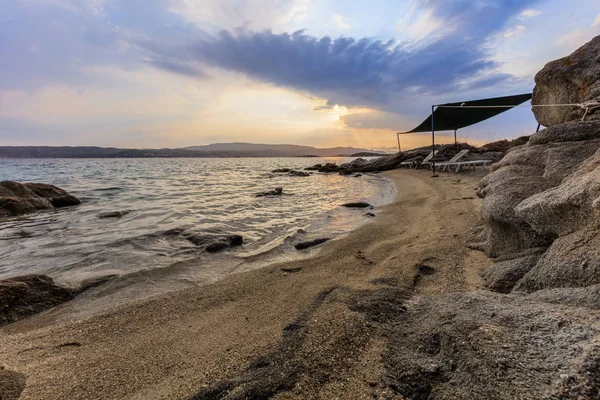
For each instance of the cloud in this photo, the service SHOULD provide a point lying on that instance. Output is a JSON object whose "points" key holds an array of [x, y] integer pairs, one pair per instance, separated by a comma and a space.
{"points": [[365, 71], [514, 31], [340, 22], [597, 21], [529, 13]]}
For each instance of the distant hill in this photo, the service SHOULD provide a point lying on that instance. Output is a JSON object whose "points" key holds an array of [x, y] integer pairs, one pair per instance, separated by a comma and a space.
{"points": [[277, 150], [223, 150]]}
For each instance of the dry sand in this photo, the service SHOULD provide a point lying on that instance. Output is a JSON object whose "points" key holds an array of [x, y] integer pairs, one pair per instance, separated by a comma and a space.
{"points": [[172, 346]]}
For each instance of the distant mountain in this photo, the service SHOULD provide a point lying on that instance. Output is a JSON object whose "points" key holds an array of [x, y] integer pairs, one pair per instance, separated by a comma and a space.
{"points": [[277, 150], [223, 150]]}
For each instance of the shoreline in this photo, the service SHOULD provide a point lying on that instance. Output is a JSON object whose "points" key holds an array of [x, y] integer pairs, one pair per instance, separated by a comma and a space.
{"points": [[172, 344]]}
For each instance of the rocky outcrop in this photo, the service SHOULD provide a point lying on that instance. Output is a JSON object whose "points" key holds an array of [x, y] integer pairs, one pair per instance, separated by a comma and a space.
{"points": [[547, 194], [394, 161], [571, 80], [22, 198]]}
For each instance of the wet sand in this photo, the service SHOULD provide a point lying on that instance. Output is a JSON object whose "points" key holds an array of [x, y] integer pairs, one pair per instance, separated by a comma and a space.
{"points": [[175, 345]]}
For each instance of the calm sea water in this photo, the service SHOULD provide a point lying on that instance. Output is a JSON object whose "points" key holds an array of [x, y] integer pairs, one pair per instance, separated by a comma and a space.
{"points": [[204, 195]]}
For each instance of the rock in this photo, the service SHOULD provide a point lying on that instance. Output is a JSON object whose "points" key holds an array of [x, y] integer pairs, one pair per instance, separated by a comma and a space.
{"points": [[26, 295], [571, 261], [356, 175], [113, 214], [21, 198], [281, 170], [569, 206], [315, 167], [370, 215], [291, 270], [500, 145], [503, 276], [358, 204], [571, 80], [588, 297], [311, 243], [479, 345], [517, 185], [298, 173], [211, 242], [275, 192], [12, 384], [575, 131], [329, 167]]}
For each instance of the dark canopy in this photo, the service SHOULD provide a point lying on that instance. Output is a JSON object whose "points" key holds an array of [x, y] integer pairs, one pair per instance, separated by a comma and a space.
{"points": [[451, 116]]}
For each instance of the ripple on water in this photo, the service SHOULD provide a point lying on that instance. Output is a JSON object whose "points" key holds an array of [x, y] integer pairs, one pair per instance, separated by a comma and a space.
{"points": [[212, 195]]}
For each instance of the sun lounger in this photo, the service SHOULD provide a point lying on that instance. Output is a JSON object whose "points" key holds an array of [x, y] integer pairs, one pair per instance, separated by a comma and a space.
{"points": [[446, 164], [416, 164], [467, 164]]}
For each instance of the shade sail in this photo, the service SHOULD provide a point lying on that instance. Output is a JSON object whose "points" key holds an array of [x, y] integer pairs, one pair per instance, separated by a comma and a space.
{"points": [[452, 116]]}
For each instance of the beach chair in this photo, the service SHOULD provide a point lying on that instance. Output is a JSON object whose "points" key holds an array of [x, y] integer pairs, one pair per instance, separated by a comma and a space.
{"points": [[416, 164], [444, 165], [468, 164]]}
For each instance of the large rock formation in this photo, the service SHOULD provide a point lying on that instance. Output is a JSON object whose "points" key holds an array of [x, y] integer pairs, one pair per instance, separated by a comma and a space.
{"points": [[546, 194], [21, 198], [571, 80]]}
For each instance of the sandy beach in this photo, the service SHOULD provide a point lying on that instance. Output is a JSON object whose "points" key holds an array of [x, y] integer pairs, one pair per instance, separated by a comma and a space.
{"points": [[305, 315]]}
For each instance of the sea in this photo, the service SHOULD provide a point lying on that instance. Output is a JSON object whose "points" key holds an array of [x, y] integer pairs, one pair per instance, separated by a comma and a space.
{"points": [[212, 195]]}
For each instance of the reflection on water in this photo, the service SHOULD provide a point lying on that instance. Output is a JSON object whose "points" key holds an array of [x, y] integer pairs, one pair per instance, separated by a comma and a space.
{"points": [[205, 195]]}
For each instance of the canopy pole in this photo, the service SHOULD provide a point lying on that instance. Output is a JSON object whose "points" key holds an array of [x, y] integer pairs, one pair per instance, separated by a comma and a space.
{"points": [[398, 137], [455, 142], [433, 143], [538, 128]]}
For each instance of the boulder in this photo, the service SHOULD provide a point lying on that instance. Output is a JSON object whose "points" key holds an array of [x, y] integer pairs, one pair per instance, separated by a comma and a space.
{"points": [[574, 79], [568, 207], [26, 295], [21, 198], [502, 276], [571, 261], [212, 242]]}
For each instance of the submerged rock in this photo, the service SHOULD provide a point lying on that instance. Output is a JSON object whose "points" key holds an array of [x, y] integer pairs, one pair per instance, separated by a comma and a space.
{"points": [[281, 170], [22, 198], [275, 192], [298, 173], [358, 204], [212, 242], [311, 243], [113, 214]]}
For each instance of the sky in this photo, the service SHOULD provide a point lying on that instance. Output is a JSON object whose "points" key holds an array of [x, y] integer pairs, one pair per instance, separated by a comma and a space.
{"points": [[175, 73]]}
